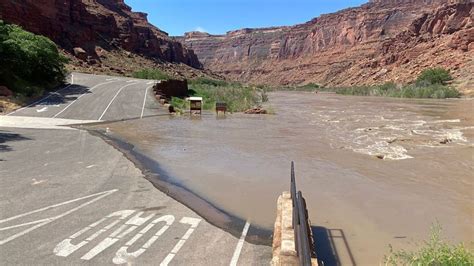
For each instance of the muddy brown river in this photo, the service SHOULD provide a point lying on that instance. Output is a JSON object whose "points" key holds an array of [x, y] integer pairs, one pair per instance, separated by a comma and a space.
{"points": [[374, 171]]}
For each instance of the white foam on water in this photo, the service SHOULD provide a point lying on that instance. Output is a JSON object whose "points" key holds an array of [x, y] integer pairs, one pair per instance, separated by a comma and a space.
{"points": [[446, 121], [387, 151], [397, 128], [378, 131], [454, 135]]}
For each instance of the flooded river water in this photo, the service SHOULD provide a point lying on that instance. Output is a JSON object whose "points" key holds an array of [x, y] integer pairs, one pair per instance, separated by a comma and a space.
{"points": [[374, 171]]}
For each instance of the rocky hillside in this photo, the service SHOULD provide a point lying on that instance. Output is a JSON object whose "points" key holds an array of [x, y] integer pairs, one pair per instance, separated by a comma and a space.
{"points": [[93, 30], [379, 41]]}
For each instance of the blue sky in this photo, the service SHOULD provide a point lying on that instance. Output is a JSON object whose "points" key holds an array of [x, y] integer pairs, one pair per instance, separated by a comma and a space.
{"points": [[220, 16]]}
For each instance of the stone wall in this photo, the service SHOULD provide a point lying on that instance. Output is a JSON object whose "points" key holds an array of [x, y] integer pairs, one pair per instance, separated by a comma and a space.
{"points": [[171, 88], [284, 246]]}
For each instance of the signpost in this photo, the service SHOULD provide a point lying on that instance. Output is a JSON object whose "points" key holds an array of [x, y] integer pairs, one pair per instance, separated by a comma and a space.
{"points": [[195, 105]]}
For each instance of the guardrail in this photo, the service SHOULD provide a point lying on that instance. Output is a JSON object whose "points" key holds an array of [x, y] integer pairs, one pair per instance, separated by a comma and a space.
{"points": [[301, 227]]}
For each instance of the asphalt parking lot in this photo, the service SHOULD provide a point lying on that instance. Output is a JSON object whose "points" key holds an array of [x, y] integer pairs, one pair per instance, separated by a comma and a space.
{"points": [[68, 197]]}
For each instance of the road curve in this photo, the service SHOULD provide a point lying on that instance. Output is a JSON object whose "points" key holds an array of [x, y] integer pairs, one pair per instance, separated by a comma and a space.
{"points": [[96, 97]]}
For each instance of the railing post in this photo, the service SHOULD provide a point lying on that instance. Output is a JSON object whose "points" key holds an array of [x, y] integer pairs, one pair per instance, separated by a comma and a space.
{"points": [[305, 257], [300, 223], [293, 192]]}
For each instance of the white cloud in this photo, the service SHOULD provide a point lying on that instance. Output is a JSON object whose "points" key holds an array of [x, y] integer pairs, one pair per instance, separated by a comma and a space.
{"points": [[200, 29]]}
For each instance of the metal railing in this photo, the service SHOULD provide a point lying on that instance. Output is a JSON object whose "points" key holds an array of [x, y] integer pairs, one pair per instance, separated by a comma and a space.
{"points": [[303, 241]]}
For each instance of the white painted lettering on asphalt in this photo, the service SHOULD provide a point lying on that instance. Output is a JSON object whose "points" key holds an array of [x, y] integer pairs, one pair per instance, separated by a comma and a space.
{"points": [[42, 109], [124, 254], [66, 248], [132, 224]]}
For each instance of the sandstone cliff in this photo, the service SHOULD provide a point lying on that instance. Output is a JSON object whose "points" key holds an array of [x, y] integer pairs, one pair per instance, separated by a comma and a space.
{"points": [[90, 28], [379, 41]]}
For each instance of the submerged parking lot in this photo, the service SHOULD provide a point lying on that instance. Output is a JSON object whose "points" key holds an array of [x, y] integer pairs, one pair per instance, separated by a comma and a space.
{"points": [[68, 197], [375, 171]]}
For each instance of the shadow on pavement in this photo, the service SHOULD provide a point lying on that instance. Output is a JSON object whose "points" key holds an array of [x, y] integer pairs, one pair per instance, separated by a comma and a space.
{"points": [[6, 136], [70, 94], [63, 96], [327, 241]]}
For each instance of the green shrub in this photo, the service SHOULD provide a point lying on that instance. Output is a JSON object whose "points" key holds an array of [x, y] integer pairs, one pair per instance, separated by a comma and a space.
{"points": [[179, 104], [208, 81], [264, 96], [29, 63], [310, 86], [434, 76], [155, 74], [434, 252], [307, 87], [238, 98], [390, 89]]}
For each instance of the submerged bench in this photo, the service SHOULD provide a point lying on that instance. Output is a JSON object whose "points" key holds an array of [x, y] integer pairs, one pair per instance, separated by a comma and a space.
{"points": [[221, 106]]}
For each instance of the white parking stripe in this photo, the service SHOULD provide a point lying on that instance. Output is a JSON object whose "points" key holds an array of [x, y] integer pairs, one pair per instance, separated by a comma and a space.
{"points": [[46, 221], [20, 225], [239, 246], [144, 101], [40, 100], [111, 101], [69, 105], [194, 222]]}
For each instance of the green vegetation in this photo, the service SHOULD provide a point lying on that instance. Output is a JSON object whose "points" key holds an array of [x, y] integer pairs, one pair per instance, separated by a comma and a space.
{"points": [[151, 74], [434, 76], [436, 91], [307, 87], [432, 83], [237, 96], [29, 63], [434, 252]]}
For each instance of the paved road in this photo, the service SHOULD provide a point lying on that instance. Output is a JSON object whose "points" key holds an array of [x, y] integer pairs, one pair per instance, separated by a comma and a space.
{"points": [[94, 97], [67, 197]]}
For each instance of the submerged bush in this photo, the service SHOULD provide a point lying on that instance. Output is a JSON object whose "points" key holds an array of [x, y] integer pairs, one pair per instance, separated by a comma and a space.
{"points": [[434, 252], [29, 63]]}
